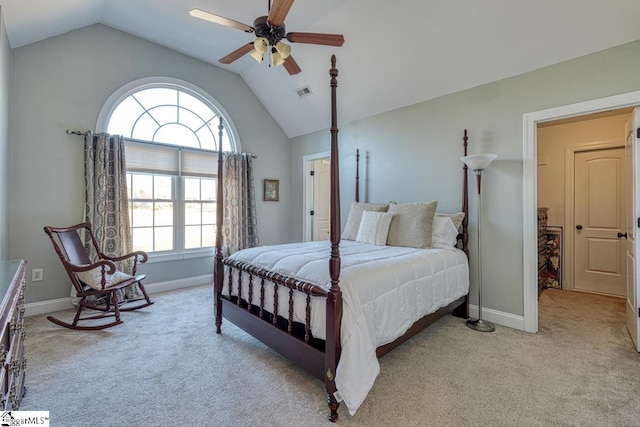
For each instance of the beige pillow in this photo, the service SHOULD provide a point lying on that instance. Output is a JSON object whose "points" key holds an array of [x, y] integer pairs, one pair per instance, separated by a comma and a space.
{"points": [[374, 228], [412, 224], [350, 231], [93, 278]]}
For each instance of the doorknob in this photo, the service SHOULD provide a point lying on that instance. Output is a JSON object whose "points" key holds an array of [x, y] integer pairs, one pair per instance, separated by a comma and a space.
{"points": [[578, 227], [622, 234]]}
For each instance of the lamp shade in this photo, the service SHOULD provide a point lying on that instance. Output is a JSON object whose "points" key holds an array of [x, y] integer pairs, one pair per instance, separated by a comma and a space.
{"points": [[276, 59], [256, 55], [261, 44], [478, 162], [283, 49]]}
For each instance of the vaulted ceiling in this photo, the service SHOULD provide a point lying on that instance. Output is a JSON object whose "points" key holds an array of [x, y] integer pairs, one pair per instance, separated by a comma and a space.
{"points": [[396, 53]]}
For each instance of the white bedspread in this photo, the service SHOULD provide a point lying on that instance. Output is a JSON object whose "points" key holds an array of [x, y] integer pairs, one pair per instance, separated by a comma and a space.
{"points": [[385, 290]]}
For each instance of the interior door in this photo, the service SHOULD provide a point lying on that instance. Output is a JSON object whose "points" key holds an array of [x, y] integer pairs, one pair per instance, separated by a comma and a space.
{"points": [[633, 221], [321, 200], [599, 211]]}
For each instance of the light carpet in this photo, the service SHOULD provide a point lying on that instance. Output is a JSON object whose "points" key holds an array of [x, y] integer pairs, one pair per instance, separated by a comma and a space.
{"points": [[165, 365]]}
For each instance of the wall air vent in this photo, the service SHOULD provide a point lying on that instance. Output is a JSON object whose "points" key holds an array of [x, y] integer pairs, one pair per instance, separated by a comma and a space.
{"points": [[304, 91]]}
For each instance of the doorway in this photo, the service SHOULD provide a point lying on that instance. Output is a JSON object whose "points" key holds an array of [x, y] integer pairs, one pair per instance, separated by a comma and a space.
{"points": [[586, 153], [316, 197], [530, 176]]}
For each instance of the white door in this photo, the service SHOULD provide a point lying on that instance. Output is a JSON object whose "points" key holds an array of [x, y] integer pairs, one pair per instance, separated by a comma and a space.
{"points": [[633, 222], [599, 212], [321, 200]]}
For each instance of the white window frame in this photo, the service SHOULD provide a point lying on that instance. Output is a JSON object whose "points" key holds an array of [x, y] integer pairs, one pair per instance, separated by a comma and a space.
{"points": [[157, 81]]}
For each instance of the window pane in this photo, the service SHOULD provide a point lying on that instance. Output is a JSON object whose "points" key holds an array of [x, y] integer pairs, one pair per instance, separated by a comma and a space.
{"points": [[141, 186], [144, 128], [164, 238], [176, 134], [208, 136], [155, 96], [164, 114], [192, 213], [199, 108], [191, 120], [162, 187], [192, 236], [208, 189], [124, 116], [208, 235], [142, 239], [163, 213], [142, 214], [192, 188], [208, 213]]}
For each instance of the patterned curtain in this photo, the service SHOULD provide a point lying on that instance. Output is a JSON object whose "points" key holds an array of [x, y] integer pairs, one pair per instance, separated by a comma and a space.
{"points": [[240, 226], [106, 197]]}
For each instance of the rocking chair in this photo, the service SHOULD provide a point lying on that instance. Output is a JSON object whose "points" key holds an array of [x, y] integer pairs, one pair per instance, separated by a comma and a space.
{"points": [[96, 284]]}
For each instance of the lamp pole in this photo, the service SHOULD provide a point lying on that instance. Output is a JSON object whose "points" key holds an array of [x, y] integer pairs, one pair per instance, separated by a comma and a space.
{"points": [[478, 163]]}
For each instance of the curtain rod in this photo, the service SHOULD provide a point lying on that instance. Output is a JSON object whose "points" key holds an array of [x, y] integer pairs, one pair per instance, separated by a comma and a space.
{"points": [[80, 133]]}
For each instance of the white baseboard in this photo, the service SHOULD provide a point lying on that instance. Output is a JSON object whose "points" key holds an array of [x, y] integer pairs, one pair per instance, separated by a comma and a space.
{"points": [[498, 317], [50, 306]]}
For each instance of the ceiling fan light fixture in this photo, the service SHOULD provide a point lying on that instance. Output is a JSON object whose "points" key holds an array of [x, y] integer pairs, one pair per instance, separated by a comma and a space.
{"points": [[257, 55], [276, 58], [261, 44], [283, 49]]}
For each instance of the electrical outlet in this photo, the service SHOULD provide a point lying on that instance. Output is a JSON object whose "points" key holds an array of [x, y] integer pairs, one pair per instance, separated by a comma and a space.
{"points": [[36, 274]]}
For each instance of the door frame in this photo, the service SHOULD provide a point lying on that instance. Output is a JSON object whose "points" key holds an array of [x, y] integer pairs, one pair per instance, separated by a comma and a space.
{"points": [[306, 193], [530, 187], [569, 200]]}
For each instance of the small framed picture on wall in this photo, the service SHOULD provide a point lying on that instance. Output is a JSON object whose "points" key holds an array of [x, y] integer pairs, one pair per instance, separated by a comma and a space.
{"points": [[271, 190]]}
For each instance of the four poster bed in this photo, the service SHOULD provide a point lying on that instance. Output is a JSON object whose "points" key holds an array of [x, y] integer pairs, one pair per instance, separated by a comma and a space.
{"points": [[340, 306]]}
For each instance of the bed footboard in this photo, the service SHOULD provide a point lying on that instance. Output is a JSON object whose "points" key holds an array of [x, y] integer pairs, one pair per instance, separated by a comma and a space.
{"points": [[252, 298]]}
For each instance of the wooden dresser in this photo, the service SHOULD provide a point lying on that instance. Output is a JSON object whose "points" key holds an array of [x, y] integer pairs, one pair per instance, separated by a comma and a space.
{"points": [[543, 250], [12, 335]]}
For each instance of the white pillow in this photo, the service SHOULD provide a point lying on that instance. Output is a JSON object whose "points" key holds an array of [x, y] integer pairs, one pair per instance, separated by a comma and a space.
{"points": [[444, 232], [374, 228], [93, 278], [455, 217], [355, 215]]}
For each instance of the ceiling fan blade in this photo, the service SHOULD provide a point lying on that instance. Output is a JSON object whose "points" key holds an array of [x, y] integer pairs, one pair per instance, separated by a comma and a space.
{"points": [[316, 38], [278, 12], [207, 16], [291, 66], [237, 54]]}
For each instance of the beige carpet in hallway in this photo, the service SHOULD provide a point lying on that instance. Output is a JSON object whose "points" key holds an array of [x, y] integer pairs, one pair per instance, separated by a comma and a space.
{"points": [[165, 365]]}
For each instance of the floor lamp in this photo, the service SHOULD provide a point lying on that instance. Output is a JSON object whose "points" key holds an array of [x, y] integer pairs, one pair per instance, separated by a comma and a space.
{"points": [[478, 163]]}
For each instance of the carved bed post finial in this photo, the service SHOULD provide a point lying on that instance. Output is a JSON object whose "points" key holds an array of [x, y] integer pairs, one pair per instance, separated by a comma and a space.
{"points": [[218, 270]]}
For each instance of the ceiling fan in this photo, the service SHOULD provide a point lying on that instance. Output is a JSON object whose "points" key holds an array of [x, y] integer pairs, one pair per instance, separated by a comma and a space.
{"points": [[270, 31]]}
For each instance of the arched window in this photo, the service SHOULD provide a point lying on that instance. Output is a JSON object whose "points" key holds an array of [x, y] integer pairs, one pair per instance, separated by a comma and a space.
{"points": [[171, 141]]}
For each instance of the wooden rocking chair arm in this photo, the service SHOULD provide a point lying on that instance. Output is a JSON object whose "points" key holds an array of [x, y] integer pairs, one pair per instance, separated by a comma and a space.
{"points": [[110, 267], [141, 257]]}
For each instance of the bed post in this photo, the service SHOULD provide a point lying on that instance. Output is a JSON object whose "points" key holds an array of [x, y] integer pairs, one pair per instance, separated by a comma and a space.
{"points": [[463, 309], [218, 270], [357, 175], [465, 199], [334, 297]]}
